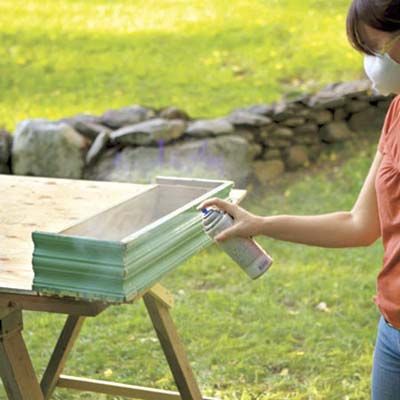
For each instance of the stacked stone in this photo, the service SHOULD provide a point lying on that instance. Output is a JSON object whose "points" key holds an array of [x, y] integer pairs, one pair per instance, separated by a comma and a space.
{"points": [[302, 127], [136, 143]]}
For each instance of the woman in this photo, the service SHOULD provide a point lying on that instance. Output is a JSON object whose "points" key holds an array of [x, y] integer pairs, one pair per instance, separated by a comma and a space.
{"points": [[373, 28]]}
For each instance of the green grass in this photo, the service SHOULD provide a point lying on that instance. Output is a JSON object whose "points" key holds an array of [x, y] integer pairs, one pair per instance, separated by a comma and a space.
{"points": [[58, 58], [262, 339]]}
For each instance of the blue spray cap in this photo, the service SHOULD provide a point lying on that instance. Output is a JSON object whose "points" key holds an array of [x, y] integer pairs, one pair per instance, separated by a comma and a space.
{"points": [[206, 212]]}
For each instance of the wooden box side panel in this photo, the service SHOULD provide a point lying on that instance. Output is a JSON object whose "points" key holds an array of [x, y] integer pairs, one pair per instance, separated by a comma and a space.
{"points": [[82, 268], [143, 273]]}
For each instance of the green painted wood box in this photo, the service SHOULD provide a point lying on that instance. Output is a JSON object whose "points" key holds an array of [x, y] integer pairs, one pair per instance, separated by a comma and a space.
{"points": [[124, 250]]}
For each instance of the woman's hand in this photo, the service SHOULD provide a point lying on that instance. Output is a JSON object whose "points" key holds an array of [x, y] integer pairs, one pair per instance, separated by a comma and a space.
{"points": [[245, 224]]}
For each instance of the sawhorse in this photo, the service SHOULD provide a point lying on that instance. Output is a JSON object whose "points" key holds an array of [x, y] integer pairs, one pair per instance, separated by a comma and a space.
{"points": [[17, 371]]}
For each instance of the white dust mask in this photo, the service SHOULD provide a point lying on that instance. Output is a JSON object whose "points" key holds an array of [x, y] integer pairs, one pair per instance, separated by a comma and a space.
{"points": [[383, 72]]}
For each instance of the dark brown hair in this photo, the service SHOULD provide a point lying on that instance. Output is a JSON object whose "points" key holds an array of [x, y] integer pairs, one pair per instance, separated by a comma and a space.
{"points": [[383, 15]]}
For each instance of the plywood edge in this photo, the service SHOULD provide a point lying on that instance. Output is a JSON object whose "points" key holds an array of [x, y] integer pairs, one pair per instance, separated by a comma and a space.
{"points": [[83, 295]]}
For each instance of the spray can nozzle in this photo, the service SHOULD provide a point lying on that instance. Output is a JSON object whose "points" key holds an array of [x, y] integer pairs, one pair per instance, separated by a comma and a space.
{"points": [[207, 211]]}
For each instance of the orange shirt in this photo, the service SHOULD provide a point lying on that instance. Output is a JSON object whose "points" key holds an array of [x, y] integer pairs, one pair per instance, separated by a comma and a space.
{"points": [[387, 185]]}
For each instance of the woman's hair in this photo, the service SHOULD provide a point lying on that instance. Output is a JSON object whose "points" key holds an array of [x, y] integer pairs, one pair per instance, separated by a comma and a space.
{"points": [[383, 15]]}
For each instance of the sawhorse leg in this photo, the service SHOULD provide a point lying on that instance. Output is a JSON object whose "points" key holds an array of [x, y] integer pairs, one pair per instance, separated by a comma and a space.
{"points": [[16, 367], [172, 347], [63, 347]]}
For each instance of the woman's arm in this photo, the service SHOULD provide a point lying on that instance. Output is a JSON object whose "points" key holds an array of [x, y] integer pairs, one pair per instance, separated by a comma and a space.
{"points": [[355, 228], [358, 227]]}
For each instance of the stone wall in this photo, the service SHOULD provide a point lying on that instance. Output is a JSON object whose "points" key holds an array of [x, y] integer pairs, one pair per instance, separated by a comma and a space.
{"points": [[252, 144]]}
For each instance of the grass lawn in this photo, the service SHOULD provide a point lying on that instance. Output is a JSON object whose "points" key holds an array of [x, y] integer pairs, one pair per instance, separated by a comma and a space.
{"points": [[58, 58], [263, 339]]}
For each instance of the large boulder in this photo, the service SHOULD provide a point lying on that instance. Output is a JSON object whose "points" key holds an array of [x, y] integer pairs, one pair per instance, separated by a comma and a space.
{"points": [[45, 148], [224, 157]]}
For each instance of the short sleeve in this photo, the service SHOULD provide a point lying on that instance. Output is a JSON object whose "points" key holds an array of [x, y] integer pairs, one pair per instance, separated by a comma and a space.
{"points": [[391, 113]]}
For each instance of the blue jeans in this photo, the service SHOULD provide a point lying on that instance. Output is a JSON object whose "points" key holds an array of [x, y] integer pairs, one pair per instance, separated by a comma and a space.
{"points": [[386, 363]]}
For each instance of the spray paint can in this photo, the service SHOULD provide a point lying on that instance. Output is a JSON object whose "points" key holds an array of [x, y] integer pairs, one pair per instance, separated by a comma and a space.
{"points": [[247, 253]]}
